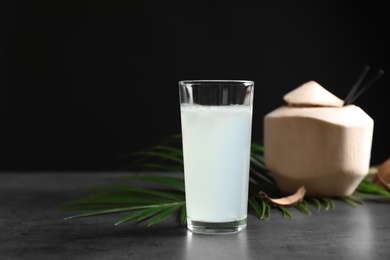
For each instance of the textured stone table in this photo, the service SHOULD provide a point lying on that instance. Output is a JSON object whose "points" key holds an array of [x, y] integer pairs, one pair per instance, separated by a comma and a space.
{"points": [[31, 228]]}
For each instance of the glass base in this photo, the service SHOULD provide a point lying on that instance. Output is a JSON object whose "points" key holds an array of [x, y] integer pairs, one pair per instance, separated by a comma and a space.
{"points": [[216, 227]]}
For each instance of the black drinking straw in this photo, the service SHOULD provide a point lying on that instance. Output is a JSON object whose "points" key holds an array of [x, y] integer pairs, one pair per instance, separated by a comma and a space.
{"points": [[351, 93], [351, 97]]}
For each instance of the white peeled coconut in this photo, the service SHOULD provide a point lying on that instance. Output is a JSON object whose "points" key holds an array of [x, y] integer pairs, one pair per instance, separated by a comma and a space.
{"points": [[317, 142], [312, 94]]}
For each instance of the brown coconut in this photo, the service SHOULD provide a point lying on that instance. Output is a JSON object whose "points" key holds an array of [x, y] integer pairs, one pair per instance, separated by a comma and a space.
{"points": [[382, 176]]}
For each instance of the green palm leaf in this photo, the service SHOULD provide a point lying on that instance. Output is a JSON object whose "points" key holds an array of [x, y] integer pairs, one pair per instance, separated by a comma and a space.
{"points": [[167, 194], [108, 211], [256, 207], [171, 182], [317, 203], [146, 191], [164, 213], [183, 214], [285, 212]]}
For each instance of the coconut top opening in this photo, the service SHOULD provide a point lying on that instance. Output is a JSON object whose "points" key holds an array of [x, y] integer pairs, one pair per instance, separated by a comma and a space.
{"points": [[312, 94]]}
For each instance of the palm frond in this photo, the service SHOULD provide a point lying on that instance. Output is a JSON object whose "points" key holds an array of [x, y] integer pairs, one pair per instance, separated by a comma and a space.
{"points": [[153, 204], [258, 208], [171, 182], [167, 194], [317, 203], [303, 207], [286, 213]]}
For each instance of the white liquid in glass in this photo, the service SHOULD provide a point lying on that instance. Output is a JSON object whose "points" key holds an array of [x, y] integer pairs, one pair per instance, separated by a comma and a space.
{"points": [[216, 145]]}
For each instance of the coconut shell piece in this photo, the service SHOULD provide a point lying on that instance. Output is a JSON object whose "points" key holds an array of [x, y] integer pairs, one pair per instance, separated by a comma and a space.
{"points": [[312, 94], [286, 201], [382, 176]]}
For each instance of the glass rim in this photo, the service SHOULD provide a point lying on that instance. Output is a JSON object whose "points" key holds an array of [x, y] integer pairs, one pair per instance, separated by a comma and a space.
{"points": [[249, 82]]}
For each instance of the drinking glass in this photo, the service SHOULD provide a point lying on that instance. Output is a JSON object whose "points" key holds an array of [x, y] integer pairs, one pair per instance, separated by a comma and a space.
{"points": [[216, 122]]}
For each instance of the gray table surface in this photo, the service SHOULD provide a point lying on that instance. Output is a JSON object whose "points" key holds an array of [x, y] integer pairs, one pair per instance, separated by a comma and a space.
{"points": [[31, 228]]}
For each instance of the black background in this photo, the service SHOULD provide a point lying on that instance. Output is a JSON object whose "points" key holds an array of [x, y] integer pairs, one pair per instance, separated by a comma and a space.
{"points": [[85, 81]]}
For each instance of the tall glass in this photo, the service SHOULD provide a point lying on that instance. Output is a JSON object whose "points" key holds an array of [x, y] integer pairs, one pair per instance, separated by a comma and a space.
{"points": [[216, 121]]}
